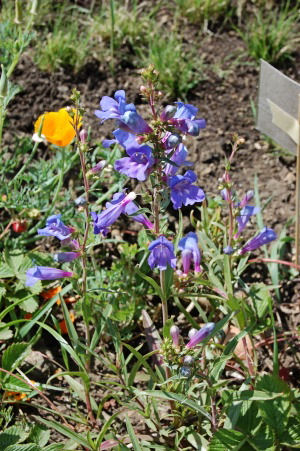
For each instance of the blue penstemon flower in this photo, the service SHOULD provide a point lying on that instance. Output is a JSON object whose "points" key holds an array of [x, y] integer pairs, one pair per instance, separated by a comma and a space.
{"points": [[44, 273], [190, 252], [55, 227], [161, 254], [183, 192]]}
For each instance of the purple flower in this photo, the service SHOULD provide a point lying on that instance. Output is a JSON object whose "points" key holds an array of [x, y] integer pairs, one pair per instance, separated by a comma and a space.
{"points": [[108, 216], [168, 112], [65, 256], [244, 217], [184, 119], [44, 273], [137, 165], [55, 227], [179, 158], [264, 237], [200, 335], [125, 114], [183, 192], [190, 252], [225, 193], [161, 254]]}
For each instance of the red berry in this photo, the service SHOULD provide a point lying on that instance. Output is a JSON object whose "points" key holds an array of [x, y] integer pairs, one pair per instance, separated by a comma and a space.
{"points": [[19, 226]]}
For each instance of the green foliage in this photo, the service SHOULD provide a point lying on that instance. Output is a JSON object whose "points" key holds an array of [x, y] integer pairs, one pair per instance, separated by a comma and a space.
{"points": [[180, 69], [273, 35], [199, 11]]}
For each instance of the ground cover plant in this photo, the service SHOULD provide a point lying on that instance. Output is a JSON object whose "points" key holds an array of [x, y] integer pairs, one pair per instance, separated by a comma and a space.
{"points": [[148, 295]]}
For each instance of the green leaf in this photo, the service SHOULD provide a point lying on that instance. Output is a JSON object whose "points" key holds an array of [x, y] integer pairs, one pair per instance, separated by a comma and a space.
{"points": [[64, 430], [39, 434], [28, 447], [228, 439], [134, 441], [14, 355], [12, 435], [6, 271], [14, 384], [182, 399], [29, 306], [6, 333], [151, 282], [254, 395]]}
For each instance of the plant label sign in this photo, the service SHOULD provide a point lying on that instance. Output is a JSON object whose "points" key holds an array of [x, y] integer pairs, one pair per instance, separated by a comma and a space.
{"points": [[279, 118]]}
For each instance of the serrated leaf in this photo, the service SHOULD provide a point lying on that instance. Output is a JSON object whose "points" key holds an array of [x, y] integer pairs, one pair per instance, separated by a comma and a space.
{"points": [[2, 290], [5, 334], [29, 306], [11, 436], [6, 271], [27, 447], [39, 434], [14, 355], [14, 384]]}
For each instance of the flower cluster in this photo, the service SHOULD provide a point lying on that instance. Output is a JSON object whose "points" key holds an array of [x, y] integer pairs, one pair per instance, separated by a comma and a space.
{"points": [[56, 228], [152, 149]]}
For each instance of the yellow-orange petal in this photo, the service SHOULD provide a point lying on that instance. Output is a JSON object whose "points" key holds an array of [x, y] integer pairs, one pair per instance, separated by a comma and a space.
{"points": [[58, 127]]}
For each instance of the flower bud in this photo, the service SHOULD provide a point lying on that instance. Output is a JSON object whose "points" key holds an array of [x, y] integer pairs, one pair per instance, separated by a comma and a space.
{"points": [[174, 332], [168, 112], [185, 371], [228, 250], [192, 332], [80, 201], [188, 360], [200, 335], [99, 166], [83, 135]]}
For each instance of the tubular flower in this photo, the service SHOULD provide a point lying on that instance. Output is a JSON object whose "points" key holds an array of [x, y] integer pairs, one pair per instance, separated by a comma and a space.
{"points": [[178, 157], [190, 252], [113, 210], [161, 254], [264, 237], [55, 227], [137, 165], [184, 119], [125, 114], [183, 192], [44, 273], [245, 214], [58, 127], [200, 335]]}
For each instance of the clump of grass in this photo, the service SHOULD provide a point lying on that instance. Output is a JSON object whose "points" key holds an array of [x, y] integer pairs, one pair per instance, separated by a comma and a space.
{"points": [[67, 44], [204, 11], [274, 34], [180, 69]]}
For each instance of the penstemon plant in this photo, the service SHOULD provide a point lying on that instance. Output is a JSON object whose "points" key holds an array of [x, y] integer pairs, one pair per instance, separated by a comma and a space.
{"points": [[209, 379]]}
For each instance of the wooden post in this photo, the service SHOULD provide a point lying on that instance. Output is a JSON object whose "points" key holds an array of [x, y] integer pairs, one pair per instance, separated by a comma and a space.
{"points": [[298, 191]]}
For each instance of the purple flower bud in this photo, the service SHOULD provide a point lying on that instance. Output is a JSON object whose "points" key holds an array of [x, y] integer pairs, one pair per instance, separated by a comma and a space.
{"points": [[174, 332], [44, 273], [192, 332], [190, 252], [83, 135], [185, 371], [80, 201], [168, 112], [200, 335], [248, 196], [172, 141], [99, 166], [225, 194], [188, 360], [228, 250], [62, 257], [264, 237]]}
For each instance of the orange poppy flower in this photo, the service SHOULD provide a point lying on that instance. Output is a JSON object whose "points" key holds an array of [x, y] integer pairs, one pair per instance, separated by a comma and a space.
{"points": [[48, 294], [63, 325], [58, 127]]}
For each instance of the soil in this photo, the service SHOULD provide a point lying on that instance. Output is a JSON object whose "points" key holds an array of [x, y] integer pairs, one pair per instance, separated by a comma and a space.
{"points": [[224, 99]]}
